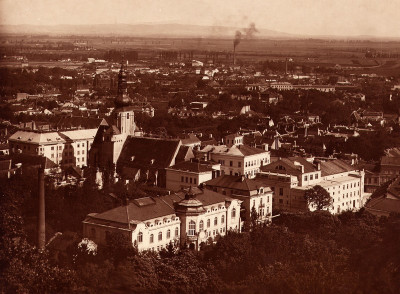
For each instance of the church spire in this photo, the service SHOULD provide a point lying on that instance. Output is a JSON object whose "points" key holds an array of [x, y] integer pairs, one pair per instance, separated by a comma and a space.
{"points": [[122, 98]]}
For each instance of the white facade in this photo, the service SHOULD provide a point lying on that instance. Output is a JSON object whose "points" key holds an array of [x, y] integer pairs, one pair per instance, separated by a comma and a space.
{"points": [[64, 148], [239, 161]]}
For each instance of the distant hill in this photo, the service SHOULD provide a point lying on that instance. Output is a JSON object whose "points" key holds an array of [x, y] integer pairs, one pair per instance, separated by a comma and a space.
{"points": [[141, 30]]}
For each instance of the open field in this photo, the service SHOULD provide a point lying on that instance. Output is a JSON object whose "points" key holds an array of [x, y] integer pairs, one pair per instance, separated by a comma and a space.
{"points": [[313, 52]]}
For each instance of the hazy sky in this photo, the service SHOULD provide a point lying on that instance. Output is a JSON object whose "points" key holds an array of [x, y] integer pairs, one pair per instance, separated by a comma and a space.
{"points": [[314, 17]]}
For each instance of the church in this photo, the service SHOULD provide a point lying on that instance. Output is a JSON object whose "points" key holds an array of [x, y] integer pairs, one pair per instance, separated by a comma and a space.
{"points": [[120, 150]]}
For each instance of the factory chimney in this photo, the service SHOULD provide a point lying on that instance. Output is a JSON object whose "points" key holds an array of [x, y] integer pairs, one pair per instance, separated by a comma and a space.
{"points": [[41, 226]]}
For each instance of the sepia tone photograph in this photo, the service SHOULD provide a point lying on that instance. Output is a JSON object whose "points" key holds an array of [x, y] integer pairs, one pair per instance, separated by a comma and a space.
{"points": [[200, 146]]}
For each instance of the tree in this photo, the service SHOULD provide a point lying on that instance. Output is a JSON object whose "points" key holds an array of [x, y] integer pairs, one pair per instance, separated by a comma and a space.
{"points": [[318, 197]]}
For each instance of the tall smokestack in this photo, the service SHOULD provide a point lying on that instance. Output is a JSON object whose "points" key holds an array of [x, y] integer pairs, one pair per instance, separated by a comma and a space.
{"points": [[236, 41], [286, 66], [41, 227]]}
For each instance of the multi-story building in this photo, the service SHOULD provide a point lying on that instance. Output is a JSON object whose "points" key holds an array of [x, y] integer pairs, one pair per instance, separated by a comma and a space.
{"points": [[186, 174], [236, 158], [67, 148], [289, 178], [254, 194], [184, 218]]}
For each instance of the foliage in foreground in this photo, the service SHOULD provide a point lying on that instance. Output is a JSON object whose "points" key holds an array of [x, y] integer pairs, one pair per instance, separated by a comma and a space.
{"points": [[300, 253]]}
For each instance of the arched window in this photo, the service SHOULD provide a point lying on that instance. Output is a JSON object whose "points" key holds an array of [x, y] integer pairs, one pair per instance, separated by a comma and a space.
{"points": [[201, 225], [151, 238], [215, 221], [192, 228], [168, 234], [234, 213], [140, 237], [222, 219], [208, 223], [160, 236], [176, 232]]}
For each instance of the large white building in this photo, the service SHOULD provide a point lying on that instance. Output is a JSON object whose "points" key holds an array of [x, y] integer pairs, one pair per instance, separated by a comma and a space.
{"points": [[290, 177], [68, 148], [184, 218], [236, 158]]}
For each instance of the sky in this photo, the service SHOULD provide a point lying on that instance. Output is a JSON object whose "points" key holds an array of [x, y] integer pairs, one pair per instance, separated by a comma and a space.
{"points": [[305, 17]]}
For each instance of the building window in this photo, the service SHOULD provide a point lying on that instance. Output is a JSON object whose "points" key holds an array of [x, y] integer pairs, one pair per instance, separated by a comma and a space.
{"points": [[192, 228], [305, 178], [195, 181], [201, 225], [160, 236], [215, 221], [168, 234], [186, 179], [52, 148], [208, 223], [140, 237], [151, 238], [311, 177], [233, 213], [191, 180], [316, 176], [182, 179], [281, 191], [176, 232], [231, 163], [223, 219], [239, 164]]}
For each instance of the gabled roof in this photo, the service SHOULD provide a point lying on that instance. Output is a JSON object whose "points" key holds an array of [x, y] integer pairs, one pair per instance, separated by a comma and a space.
{"points": [[190, 139], [185, 153], [140, 210], [241, 150], [291, 166], [332, 167], [149, 152], [236, 182], [36, 137]]}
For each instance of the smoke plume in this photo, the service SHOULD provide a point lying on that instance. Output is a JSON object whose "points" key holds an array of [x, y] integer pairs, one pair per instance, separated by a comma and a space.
{"points": [[249, 33], [238, 37]]}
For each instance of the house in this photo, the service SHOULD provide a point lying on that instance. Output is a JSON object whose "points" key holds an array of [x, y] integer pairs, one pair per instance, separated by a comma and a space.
{"points": [[291, 177], [190, 173], [254, 194], [238, 159], [184, 218]]}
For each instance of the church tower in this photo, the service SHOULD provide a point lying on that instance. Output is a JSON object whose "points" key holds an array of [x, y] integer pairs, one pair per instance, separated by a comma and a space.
{"points": [[123, 114]]}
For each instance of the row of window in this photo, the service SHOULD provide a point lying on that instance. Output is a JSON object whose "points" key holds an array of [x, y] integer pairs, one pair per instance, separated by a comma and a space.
{"points": [[192, 224], [311, 177], [189, 180], [160, 236]]}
